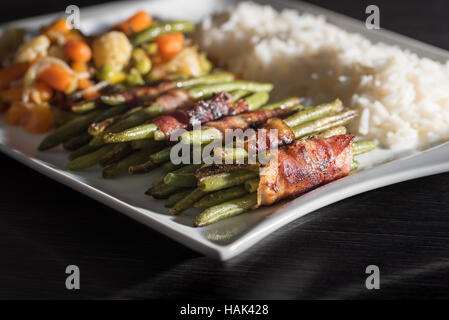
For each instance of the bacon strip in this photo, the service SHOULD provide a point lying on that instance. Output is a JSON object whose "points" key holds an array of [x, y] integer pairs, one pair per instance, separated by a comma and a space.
{"points": [[172, 100], [304, 165], [247, 120], [274, 133], [145, 93], [203, 111]]}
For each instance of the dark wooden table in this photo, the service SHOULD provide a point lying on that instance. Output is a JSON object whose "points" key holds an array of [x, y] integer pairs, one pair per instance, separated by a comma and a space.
{"points": [[403, 229]]}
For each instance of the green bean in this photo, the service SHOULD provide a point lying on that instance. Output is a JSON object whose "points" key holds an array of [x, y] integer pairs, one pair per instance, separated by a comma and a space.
{"points": [[146, 143], [354, 165], [82, 151], [77, 142], [363, 147], [286, 103], [190, 168], [62, 117], [161, 191], [206, 171], [153, 162], [140, 132], [112, 112], [159, 135], [181, 179], [256, 100], [224, 180], [136, 118], [221, 196], [161, 156], [77, 126], [181, 83], [324, 123], [131, 121], [202, 136], [203, 92], [230, 154], [155, 31], [84, 107], [88, 160], [120, 151], [205, 80], [188, 201], [252, 185], [326, 133], [313, 113], [69, 130], [176, 197], [123, 165], [169, 166], [225, 210], [332, 132], [238, 94], [99, 127], [158, 181], [142, 167]]}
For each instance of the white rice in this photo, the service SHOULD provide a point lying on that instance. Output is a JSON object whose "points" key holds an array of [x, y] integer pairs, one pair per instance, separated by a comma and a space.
{"points": [[403, 100]]}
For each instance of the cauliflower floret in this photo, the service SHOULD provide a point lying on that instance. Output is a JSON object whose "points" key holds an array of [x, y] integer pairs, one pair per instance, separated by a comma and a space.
{"points": [[112, 49], [187, 62], [36, 47]]}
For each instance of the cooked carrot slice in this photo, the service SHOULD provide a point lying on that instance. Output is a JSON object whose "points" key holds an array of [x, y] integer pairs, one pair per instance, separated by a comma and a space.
{"points": [[79, 67], [138, 22], [169, 45], [77, 51], [74, 35], [17, 114], [84, 83], [59, 26], [40, 119], [13, 94], [11, 73], [56, 77]]}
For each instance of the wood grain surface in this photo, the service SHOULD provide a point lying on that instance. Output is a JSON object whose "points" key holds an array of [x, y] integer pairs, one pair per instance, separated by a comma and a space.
{"points": [[403, 229]]}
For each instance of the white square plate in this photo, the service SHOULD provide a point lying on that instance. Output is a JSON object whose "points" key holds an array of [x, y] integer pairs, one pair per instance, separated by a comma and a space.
{"points": [[230, 237]]}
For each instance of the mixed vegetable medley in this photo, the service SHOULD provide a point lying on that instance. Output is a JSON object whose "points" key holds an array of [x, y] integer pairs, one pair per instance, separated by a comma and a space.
{"points": [[118, 99], [43, 75]]}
